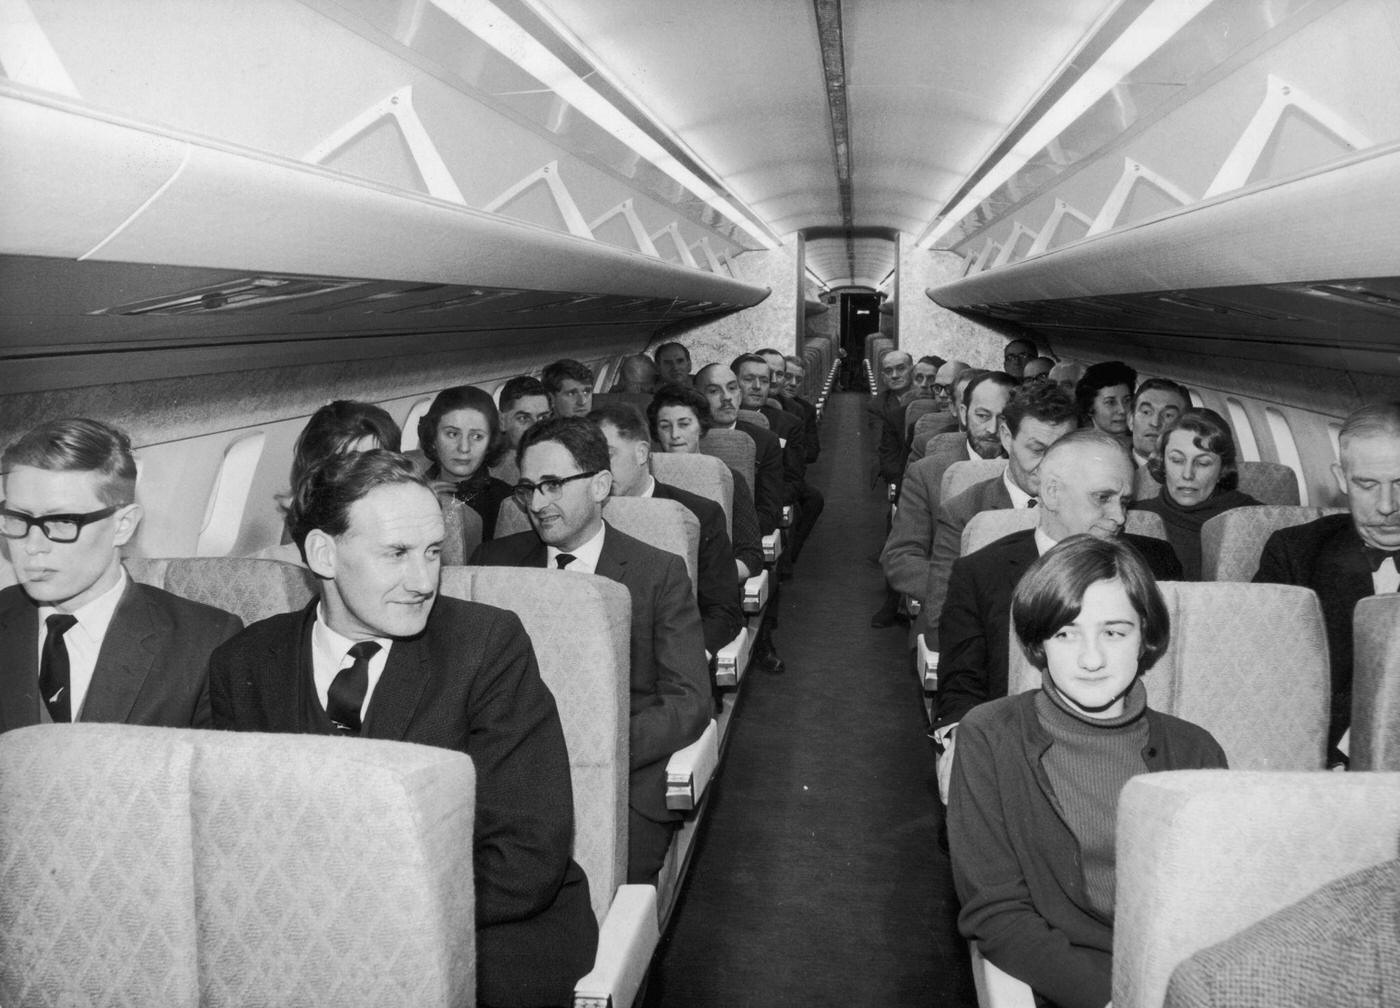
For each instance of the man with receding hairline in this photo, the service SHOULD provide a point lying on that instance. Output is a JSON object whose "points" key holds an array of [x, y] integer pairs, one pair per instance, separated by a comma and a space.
{"points": [[673, 363], [79, 639]]}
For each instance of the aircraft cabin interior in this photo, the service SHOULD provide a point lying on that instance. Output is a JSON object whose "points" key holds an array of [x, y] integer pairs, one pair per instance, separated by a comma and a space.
{"points": [[216, 218]]}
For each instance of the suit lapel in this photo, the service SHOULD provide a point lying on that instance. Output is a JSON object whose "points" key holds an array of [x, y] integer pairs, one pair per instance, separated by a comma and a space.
{"points": [[129, 652], [399, 690], [284, 675], [19, 663]]}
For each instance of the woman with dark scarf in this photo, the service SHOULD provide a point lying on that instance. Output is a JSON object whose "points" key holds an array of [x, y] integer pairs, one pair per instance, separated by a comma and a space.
{"points": [[1036, 776], [1195, 463], [461, 436]]}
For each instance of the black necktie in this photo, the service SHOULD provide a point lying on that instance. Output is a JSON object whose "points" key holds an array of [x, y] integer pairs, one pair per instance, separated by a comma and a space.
{"points": [[1032, 503], [54, 683], [1374, 556], [347, 693], [562, 560]]}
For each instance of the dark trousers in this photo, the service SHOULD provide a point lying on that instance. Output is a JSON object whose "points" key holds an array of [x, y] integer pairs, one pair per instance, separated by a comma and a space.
{"points": [[647, 843]]}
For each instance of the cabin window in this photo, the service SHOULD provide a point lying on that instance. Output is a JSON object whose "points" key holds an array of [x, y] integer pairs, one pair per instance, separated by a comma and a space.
{"points": [[1287, 448], [1334, 434], [410, 424], [1244, 430], [1196, 401], [223, 516]]}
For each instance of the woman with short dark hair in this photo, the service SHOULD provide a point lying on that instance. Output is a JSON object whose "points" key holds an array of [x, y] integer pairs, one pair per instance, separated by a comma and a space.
{"points": [[1036, 776], [1195, 463], [461, 436]]}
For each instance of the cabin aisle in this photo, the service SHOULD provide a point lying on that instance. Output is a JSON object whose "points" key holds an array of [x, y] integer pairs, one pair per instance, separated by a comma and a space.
{"points": [[817, 879]]}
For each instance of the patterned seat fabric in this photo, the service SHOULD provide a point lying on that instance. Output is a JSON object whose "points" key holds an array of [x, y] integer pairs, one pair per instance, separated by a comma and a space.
{"points": [[703, 475], [1203, 854], [1246, 662], [961, 475], [580, 627], [249, 587], [989, 526], [1266, 482], [154, 866], [1375, 718], [1231, 543], [734, 448]]}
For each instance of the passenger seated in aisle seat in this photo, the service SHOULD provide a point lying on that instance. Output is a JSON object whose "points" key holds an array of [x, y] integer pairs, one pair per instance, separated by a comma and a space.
{"points": [[1105, 396], [637, 375], [462, 438], [1347, 557], [1033, 809], [380, 655], [1037, 415], [720, 387], [897, 368], [564, 483], [791, 392], [1037, 369], [1194, 461], [524, 403], [1066, 374], [673, 363], [909, 546], [629, 458], [679, 417], [1086, 481], [570, 386], [79, 639], [789, 427], [948, 387]]}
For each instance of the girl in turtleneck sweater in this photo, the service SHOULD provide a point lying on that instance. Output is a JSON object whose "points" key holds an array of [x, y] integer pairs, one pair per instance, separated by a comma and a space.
{"points": [[1195, 463], [461, 436], [1036, 777]]}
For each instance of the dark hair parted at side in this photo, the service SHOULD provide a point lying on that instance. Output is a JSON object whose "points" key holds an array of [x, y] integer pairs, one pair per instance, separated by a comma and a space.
{"points": [[625, 418], [1104, 374], [995, 377], [579, 436], [679, 395], [1209, 432], [322, 498], [76, 444], [554, 374], [746, 358], [1041, 401], [1051, 593], [456, 398], [1165, 385], [334, 427], [518, 388]]}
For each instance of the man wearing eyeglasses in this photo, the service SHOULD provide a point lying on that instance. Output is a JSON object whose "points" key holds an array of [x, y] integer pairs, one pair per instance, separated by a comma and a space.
{"points": [[79, 640], [564, 483]]}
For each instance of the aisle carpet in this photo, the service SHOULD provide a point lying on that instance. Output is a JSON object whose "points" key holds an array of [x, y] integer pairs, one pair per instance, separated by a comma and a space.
{"points": [[817, 878]]}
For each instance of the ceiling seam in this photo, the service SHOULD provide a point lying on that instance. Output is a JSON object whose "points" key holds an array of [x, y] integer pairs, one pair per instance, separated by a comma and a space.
{"points": [[833, 52]]}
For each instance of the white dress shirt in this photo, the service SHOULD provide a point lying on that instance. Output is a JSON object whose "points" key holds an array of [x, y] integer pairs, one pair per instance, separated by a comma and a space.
{"points": [[83, 641], [330, 653], [1019, 497], [585, 557]]}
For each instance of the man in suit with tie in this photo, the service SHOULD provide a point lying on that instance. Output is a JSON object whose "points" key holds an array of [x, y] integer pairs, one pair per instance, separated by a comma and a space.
{"points": [[1037, 416], [1086, 482], [720, 387], [1347, 557], [791, 391], [381, 655], [564, 483], [760, 376], [79, 640]]}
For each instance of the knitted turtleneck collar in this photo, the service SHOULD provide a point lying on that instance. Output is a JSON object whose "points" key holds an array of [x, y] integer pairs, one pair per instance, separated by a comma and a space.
{"points": [[1134, 704]]}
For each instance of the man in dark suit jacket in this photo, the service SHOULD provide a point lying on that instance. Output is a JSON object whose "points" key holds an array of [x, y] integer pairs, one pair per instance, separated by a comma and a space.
{"points": [[629, 453], [897, 369], [760, 374], [1086, 482], [79, 640], [1037, 416], [1347, 557], [720, 387], [564, 466], [379, 655], [791, 392]]}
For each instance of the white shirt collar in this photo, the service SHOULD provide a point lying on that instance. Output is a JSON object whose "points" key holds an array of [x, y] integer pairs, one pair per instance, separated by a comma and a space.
{"points": [[1043, 543], [585, 556], [83, 641], [330, 652], [650, 489], [1019, 497]]}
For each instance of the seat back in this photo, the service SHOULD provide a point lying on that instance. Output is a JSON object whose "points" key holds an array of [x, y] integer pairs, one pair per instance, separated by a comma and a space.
{"points": [[989, 526], [641, 400], [735, 449], [1232, 542], [580, 626], [703, 475], [252, 588], [462, 529], [665, 524], [754, 417], [182, 867], [969, 472], [918, 408], [1375, 687], [1246, 662], [1203, 854], [1266, 482]]}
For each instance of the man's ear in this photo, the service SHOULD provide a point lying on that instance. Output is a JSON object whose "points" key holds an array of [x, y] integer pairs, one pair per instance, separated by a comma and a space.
{"points": [[127, 519], [320, 553], [1004, 435], [641, 451], [600, 486]]}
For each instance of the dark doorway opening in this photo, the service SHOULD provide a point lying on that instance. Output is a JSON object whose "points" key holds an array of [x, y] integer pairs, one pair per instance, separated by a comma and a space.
{"points": [[860, 316]]}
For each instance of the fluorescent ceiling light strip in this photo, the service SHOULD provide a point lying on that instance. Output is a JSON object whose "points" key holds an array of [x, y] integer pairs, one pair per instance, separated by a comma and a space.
{"points": [[1153, 29], [491, 24]]}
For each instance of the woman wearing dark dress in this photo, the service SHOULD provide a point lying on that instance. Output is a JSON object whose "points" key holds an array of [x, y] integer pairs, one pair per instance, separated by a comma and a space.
{"points": [[461, 436], [1195, 463], [1032, 812]]}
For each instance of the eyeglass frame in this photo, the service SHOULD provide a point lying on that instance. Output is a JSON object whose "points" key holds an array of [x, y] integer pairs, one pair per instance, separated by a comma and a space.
{"points": [[82, 521], [524, 491]]}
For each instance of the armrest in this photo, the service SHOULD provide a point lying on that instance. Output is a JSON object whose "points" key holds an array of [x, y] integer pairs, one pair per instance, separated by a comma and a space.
{"points": [[689, 770], [772, 546], [733, 659], [785, 516], [626, 942], [927, 660], [996, 989], [756, 593]]}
